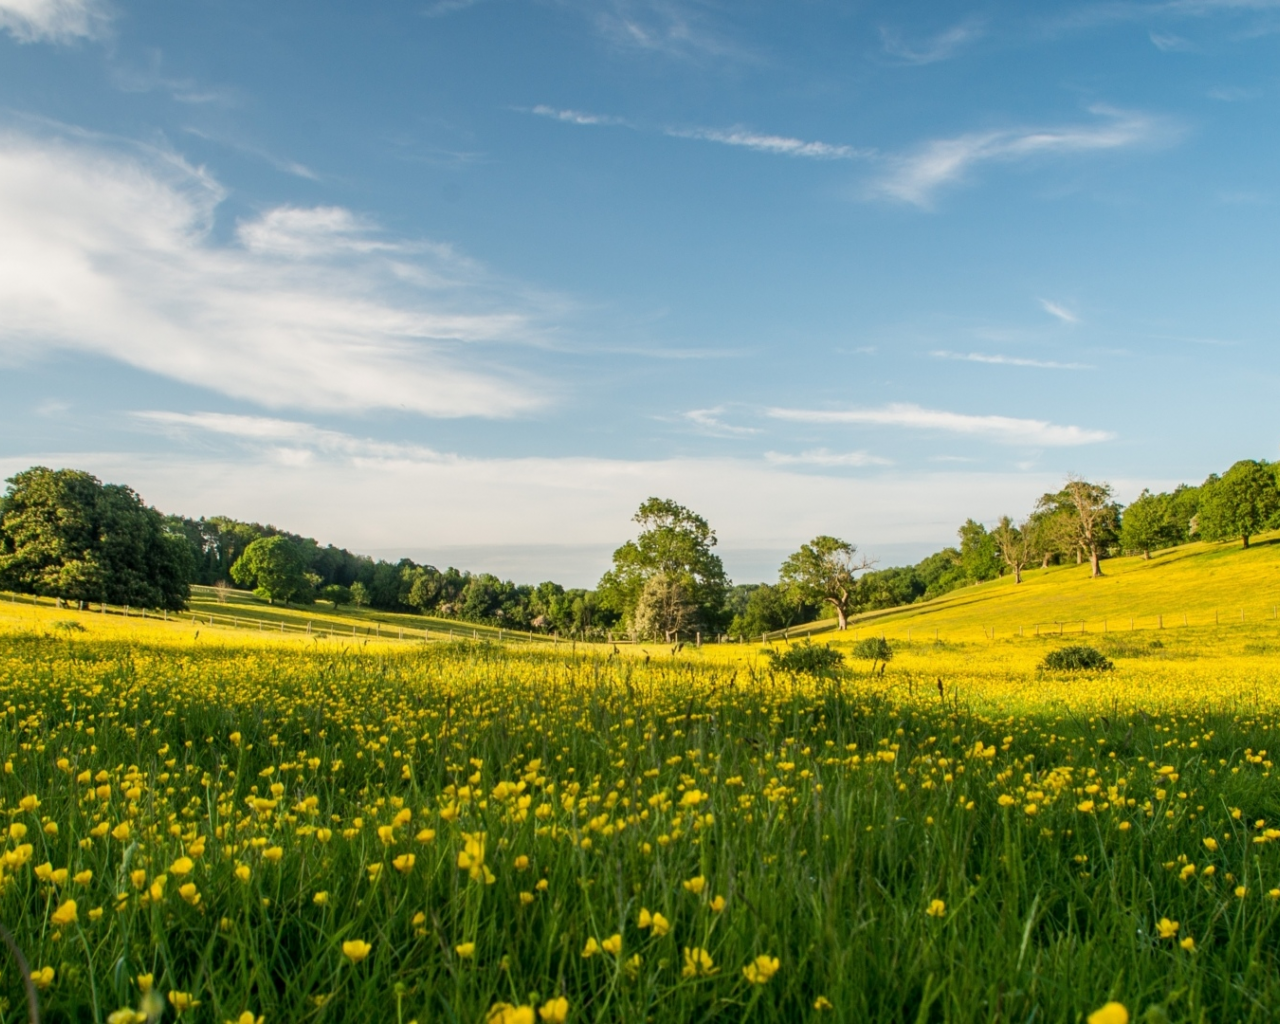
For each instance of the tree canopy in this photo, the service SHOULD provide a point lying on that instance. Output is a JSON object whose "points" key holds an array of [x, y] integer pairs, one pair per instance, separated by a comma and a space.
{"points": [[274, 569], [1243, 502], [675, 544], [63, 533], [824, 572]]}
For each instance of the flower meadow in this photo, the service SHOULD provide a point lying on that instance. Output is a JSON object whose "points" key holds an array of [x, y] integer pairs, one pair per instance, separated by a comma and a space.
{"points": [[207, 828]]}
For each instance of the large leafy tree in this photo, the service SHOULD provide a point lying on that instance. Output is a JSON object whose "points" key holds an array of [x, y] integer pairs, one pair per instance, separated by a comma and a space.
{"points": [[676, 544], [1243, 502], [273, 567], [1149, 524], [1088, 517], [824, 571], [65, 534]]}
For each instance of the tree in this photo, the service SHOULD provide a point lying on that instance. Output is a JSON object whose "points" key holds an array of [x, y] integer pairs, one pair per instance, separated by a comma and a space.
{"points": [[978, 555], [337, 594], [761, 608], [674, 543], [65, 534], [664, 610], [273, 567], [1015, 545], [823, 572], [1089, 517], [359, 594], [1147, 525], [1244, 502]]}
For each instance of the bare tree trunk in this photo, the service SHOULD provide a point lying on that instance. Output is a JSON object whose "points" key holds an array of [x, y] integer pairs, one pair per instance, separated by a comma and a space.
{"points": [[1246, 540], [1017, 575], [1093, 562], [1146, 555], [844, 621]]}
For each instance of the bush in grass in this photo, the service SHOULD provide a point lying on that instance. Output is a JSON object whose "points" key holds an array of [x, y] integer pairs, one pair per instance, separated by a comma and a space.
{"points": [[873, 648], [1076, 659], [817, 660]]}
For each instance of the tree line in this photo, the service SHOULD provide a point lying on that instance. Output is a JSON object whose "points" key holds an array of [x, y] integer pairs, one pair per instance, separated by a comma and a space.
{"points": [[65, 534]]}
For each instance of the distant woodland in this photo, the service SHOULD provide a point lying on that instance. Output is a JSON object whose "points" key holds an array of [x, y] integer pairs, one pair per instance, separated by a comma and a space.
{"points": [[65, 534]]}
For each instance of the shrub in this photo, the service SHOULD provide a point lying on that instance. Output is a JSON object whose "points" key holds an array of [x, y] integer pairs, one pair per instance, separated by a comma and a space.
{"points": [[873, 648], [1076, 659], [816, 660]]}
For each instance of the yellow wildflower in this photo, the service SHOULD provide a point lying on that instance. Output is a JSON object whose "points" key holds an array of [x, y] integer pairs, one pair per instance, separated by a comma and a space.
{"points": [[761, 969], [555, 1011], [1110, 1013], [356, 950]]}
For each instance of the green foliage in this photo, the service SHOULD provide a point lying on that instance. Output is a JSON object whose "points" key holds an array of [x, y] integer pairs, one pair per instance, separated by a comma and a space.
{"points": [[760, 608], [1243, 502], [814, 659], [873, 648], [273, 567], [1077, 658], [337, 594], [1149, 524], [64, 534], [979, 557], [359, 594], [824, 572], [674, 543]]}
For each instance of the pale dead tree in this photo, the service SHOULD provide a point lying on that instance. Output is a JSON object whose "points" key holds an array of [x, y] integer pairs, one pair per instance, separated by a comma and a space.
{"points": [[664, 610], [1016, 545], [1092, 515], [221, 588]]}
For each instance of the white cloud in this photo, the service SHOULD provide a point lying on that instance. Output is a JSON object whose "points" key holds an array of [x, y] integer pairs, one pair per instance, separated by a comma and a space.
{"points": [[112, 253], [1061, 312], [270, 432], [940, 47], [1002, 429], [916, 177], [709, 420], [1167, 42], [998, 360], [823, 457], [778, 144], [52, 21], [575, 116]]}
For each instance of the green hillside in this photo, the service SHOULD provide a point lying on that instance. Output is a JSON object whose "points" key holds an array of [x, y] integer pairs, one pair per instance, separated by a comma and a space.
{"points": [[1192, 585]]}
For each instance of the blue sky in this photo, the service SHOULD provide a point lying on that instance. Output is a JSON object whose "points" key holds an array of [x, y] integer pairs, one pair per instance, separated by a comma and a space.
{"points": [[469, 280]]}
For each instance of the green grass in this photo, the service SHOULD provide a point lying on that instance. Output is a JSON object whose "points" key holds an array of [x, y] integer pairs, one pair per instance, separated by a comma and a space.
{"points": [[840, 810]]}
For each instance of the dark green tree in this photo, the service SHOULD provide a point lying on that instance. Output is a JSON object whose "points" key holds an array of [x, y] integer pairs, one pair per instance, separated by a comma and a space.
{"points": [[337, 594], [1243, 502], [824, 571], [1088, 518], [1147, 524], [979, 556], [674, 543], [273, 567], [64, 534]]}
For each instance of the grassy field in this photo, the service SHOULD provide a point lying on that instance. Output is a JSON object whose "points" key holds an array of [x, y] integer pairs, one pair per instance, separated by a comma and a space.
{"points": [[205, 824], [1193, 585]]}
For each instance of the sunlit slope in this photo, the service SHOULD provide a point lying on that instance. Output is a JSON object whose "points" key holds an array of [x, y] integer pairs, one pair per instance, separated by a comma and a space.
{"points": [[1196, 585]]}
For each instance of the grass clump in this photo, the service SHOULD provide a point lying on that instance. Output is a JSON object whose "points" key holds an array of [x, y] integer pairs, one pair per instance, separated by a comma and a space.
{"points": [[1077, 658]]}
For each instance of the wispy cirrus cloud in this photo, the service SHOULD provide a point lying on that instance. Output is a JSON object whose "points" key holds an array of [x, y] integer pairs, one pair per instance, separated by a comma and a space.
{"points": [[916, 177], [1059, 311], [295, 440], [933, 49], [110, 251], [575, 116], [53, 21], [781, 145], [999, 360], [825, 457], [743, 138], [1001, 429], [709, 420]]}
